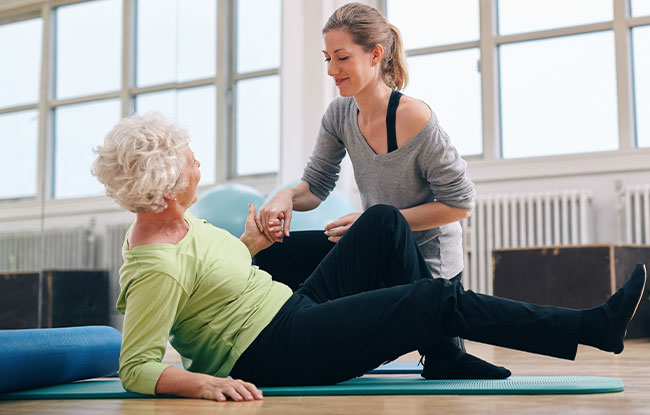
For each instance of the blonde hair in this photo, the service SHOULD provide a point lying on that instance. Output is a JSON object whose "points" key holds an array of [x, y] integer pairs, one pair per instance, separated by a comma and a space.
{"points": [[142, 160], [368, 28]]}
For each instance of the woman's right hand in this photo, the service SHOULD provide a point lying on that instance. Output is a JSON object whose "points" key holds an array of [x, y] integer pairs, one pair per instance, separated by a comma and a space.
{"points": [[221, 389], [180, 382], [280, 208]]}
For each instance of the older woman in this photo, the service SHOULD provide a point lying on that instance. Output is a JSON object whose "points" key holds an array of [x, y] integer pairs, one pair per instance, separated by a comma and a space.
{"points": [[370, 300]]}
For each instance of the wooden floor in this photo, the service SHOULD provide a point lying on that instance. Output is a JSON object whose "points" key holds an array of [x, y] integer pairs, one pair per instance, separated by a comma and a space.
{"points": [[633, 366]]}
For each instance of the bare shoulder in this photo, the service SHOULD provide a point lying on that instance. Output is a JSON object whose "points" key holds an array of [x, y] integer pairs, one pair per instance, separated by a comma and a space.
{"points": [[412, 115]]}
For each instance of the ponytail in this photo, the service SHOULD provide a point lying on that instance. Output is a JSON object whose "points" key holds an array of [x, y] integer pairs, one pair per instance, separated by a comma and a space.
{"points": [[396, 73]]}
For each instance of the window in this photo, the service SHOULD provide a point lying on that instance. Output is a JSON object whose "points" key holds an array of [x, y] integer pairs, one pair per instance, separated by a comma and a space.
{"points": [[641, 41], [640, 8], [450, 84], [19, 82], [189, 59], [432, 23], [257, 87], [558, 96], [88, 42], [258, 125], [18, 158], [517, 16], [258, 21], [176, 40], [547, 80], [21, 62], [78, 129]]}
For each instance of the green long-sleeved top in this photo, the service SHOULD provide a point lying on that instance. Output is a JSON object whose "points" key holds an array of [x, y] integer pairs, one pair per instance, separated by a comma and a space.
{"points": [[202, 294]]}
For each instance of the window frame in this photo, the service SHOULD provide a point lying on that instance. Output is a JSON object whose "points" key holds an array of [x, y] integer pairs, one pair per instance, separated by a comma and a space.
{"points": [[43, 203], [242, 76], [490, 166]]}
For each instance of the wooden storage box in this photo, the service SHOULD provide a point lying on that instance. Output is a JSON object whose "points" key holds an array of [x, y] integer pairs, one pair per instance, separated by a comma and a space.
{"points": [[70, 298], [577, 276]]}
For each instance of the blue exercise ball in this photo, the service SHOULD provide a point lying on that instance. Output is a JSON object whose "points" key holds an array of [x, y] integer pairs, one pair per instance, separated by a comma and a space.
{"points": [[336, 205], [226, 206]]}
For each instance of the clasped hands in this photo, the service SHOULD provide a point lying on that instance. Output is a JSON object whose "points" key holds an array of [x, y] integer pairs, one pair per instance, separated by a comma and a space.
{"points": [[274, 219]]}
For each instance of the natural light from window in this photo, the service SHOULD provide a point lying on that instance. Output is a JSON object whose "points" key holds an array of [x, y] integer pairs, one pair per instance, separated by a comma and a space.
{"points": [[21, 62], [450, 84], [640, 8], [558, 96], [78, 129], [257, 126], [434, 22], [176, 40], [88, 48], [18, 158], [517, 16], [641, 53]]}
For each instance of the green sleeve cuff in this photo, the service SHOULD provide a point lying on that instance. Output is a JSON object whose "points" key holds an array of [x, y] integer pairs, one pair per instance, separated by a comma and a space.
{"points": [[144, 380]]}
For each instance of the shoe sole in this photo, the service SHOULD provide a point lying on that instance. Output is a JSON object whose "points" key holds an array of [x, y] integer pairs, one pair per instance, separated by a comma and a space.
{"points": [[645, 280]]}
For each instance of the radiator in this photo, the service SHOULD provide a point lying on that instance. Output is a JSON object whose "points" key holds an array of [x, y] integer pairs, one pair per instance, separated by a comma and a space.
{"points": [[65, 248], [636, 202], [521, 220], [113, 256]]}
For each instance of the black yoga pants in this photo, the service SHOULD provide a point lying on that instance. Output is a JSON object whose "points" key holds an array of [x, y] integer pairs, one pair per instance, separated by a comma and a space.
{"points": [[372, 300]]}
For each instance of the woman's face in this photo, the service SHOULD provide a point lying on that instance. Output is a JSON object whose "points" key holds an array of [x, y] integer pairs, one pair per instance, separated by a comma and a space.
{"points": [[188, 196], [351, 67]]}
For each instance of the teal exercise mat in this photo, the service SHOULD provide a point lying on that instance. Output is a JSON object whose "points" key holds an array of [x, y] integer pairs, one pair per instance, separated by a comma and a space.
{"points": [[515, 385]]}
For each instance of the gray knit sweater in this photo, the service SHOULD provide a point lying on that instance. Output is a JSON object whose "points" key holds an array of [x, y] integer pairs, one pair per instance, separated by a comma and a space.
{"points": [[427, 168]]}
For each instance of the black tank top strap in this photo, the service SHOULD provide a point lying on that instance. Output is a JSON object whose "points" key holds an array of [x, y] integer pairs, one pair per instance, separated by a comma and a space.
{"points": [[393, 102]]}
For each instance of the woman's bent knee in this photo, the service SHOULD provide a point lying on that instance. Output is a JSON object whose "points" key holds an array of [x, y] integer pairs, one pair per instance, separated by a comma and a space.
{"points": [[381, 213]]}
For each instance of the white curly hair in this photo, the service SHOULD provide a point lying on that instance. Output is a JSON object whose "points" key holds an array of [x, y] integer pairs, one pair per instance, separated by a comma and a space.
{"points": [[142, 159]]}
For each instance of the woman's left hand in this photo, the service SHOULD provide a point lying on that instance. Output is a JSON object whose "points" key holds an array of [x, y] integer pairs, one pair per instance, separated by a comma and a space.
{"points": [[335, 230], [253, 238]]}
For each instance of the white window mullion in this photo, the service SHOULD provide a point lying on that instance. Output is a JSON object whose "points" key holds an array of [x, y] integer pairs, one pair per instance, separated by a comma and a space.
{"points": [[489, 66], [226, 87], [221, 127], [623, 47], [44, 111], [128, 55]]}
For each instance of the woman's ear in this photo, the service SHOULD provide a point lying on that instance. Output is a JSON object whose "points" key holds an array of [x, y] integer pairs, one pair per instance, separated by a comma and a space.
{"points": [[377, 54], [167, 195]]}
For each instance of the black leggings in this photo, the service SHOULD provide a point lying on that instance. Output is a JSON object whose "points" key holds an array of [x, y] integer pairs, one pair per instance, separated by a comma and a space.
{"points": [[293, 260], [372, 299]]}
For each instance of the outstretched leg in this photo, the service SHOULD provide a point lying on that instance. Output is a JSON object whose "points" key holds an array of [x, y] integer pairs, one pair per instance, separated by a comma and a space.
{"points": [[311, 343]]}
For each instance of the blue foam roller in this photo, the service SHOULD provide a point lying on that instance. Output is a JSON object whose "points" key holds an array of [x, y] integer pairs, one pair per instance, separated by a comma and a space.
{"points": [[42, 357], [336, 205], [226, 206]]}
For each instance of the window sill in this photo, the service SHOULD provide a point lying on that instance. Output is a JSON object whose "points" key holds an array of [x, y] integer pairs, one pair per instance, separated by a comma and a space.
{"points": [[621, 161], [30, 209]]}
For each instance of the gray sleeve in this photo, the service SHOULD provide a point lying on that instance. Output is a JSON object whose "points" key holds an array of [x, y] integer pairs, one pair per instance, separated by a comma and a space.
{"points": [[324, 165], [444, 169]]}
